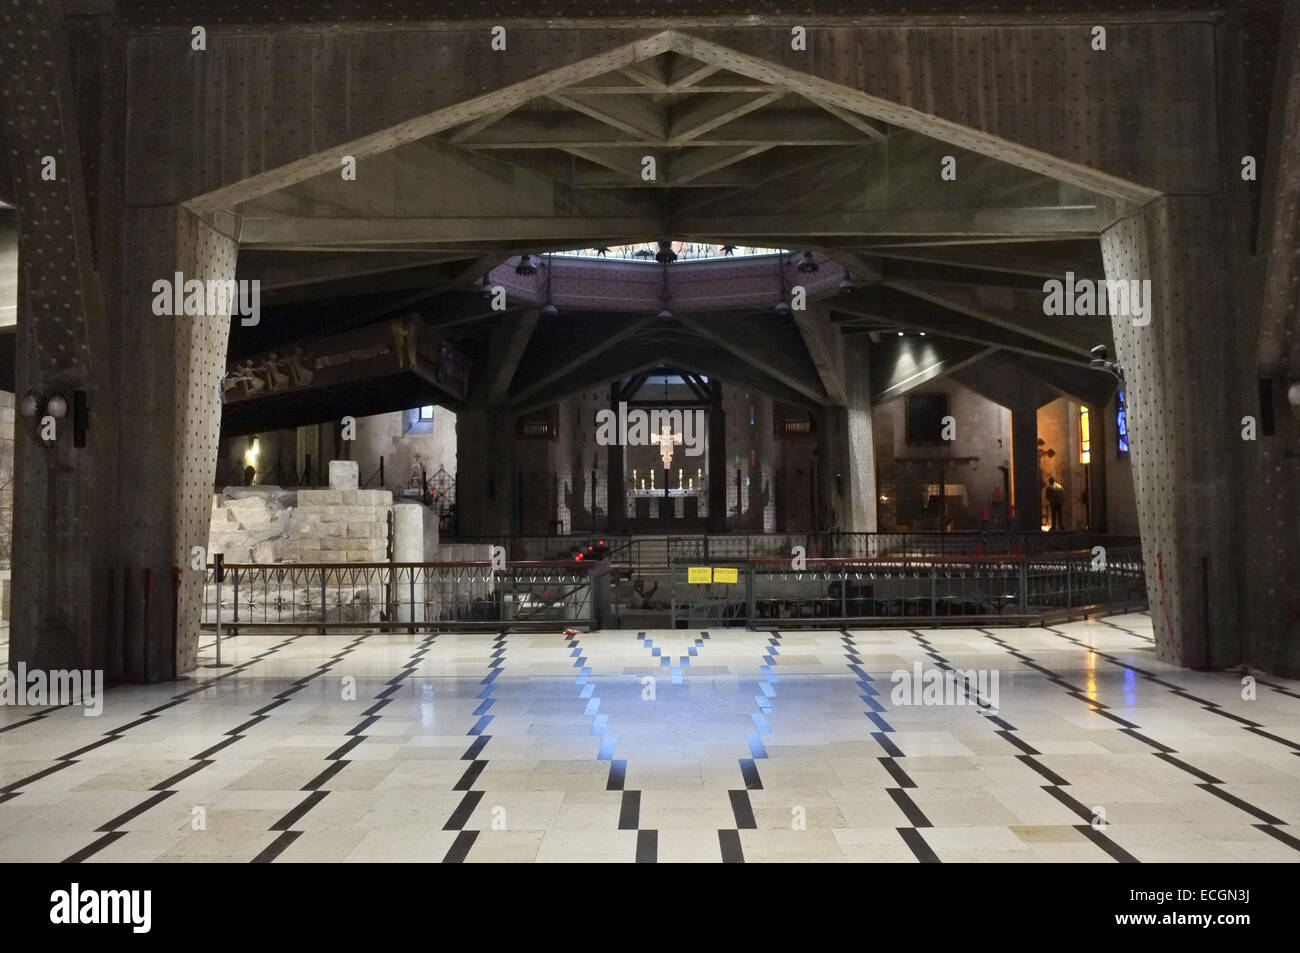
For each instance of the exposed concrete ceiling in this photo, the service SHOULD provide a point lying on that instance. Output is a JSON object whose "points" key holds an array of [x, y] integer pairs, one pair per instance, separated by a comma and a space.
{"points": [[679, 146]]}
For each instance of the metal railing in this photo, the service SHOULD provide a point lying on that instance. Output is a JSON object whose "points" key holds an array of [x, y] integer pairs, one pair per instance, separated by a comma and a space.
{"points": [[976, 543], [838, 591], [649, 552], [399, 596]]}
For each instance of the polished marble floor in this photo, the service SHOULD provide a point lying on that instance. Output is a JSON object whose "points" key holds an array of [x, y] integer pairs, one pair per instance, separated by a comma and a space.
{"points": [[668, 746]]}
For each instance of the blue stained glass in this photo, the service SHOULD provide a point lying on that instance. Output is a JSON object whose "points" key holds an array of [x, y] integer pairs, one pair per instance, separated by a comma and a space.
{"points": [[1121, 423]]}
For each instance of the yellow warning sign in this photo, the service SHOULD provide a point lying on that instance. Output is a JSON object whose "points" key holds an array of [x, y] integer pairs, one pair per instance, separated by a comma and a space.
{"points": [[726, 575], [699, 574]]}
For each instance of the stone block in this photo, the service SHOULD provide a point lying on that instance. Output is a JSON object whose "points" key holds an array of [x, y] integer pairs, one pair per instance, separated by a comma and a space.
{"points": [[248, 512], [344, 474]]}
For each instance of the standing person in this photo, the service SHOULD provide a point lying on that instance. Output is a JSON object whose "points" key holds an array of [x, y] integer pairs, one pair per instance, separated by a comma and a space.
{"points": [[1056, 503]]}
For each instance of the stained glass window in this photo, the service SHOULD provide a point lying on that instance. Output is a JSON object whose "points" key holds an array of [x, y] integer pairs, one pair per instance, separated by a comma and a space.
{"points": [[1085, 437], [1121, 424]]}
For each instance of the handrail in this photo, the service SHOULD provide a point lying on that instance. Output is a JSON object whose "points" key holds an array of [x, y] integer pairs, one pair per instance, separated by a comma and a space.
{"points": [[462, 564], [923, 559]]}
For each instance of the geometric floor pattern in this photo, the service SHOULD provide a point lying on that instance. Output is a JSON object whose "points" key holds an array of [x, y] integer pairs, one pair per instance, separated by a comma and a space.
{"points": [[666, 746]]}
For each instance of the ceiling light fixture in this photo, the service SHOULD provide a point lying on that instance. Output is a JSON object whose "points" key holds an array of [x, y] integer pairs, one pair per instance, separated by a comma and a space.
{"points": [[665, 255], [549, 310], [526, 268], [806, 264], [782, 306]]}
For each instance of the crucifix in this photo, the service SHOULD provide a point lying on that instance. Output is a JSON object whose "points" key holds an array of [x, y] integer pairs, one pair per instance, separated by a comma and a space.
{"points": [[666, 440]]}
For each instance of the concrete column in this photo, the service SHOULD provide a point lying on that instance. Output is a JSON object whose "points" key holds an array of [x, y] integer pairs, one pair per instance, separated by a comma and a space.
{"points": [[485, 472], [1270, 506], [718, 475], [1098, 437], [1190, 381], [852, 461], [1025, 487], [825, 500], [615, 482], [767, 459]]}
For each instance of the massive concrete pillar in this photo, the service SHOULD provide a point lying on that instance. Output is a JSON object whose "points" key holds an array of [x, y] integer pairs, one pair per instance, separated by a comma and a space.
{"points": [[717, 521], [108, 530], [615, 482], [1025, 488], [485, 472], [1270, 521], [852, 462], [767, 460], [171, 414], [1189, 383], [106, 513]]}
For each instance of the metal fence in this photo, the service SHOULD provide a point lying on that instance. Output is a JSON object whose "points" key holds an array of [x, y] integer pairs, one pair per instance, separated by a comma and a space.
{"points": [[835, 591], [399, 596], [657, 552], [990, 543]]}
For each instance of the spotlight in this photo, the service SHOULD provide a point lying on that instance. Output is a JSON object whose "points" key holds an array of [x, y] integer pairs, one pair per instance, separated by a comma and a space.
{"points": [[550, 311], [665, 255], [665, 314], [806, 265], [848, 283], [526, 268], [782, 308], [1101, 362], [30, 406], [1293, 394], [57, 406]]}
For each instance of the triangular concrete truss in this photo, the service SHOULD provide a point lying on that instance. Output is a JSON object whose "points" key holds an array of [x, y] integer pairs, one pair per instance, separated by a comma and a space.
{"points": [[943, 229]]}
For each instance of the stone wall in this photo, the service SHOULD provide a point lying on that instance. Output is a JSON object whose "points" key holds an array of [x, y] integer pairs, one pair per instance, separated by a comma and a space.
{"points": [[342, 526], [405, 442], [253, 525], [271, 525]]}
